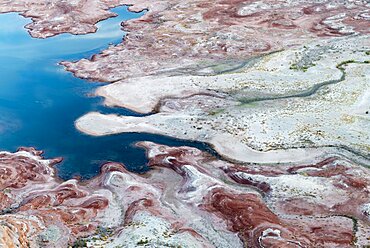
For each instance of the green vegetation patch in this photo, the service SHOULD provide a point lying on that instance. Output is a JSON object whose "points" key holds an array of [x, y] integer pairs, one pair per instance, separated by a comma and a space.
{"points": [[303, 68], [346, 62]]}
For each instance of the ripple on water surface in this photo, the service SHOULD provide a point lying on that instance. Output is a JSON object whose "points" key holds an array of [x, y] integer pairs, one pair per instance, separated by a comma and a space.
{"points": [[39, 101]]}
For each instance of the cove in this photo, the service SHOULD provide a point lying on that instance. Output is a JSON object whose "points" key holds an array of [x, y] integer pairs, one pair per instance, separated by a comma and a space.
{"points": [[39, 101]]}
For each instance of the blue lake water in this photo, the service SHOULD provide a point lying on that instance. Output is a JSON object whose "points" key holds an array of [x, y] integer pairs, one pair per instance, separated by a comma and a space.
{"points": [[39, 101]]}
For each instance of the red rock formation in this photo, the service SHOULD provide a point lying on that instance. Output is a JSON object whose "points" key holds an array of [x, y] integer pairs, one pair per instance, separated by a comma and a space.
{"points": [[308, 222], [176, 37], [51, 18], [41, 210], [257, 226], [19, 170], [188, 198], [30, 188], [341, 176]]}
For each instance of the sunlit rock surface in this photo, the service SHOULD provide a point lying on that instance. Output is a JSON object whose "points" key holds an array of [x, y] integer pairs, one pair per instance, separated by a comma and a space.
{"points": [[188, 199], [288, 106], [54, 17], [207, 36], [39, 209], [282, 84]]}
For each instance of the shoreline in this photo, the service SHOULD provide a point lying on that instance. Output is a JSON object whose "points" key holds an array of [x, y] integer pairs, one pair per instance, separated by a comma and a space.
{"points": [[201, 107], [34, 33], [282, 171], [238, 153], [120, 206]]}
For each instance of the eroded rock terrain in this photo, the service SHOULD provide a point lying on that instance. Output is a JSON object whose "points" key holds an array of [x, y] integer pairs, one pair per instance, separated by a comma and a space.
{"points": [[51, 18], [203, 36], [188, 199], [272, 111], [280, 89]]}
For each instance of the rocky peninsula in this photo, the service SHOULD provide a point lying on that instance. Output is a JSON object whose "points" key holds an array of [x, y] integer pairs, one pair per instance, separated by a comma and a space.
{"points": [[279, 89]]}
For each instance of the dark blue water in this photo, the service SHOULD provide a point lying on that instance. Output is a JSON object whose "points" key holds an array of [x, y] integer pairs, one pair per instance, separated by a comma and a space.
{"points": [[39, 101]]}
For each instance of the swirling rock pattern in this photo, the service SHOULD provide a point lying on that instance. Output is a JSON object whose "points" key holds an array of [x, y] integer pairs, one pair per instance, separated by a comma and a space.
{"points": [[309, 198], [177, 37], [188, 199], [50, 18], [37, 208], [250, 108], [194, 37]]}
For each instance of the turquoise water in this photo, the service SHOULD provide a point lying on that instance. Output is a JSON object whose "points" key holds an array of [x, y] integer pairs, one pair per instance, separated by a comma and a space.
{"points": [[39, 101]]}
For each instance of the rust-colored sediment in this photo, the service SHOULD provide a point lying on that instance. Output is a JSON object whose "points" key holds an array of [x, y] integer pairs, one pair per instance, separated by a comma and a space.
{"points": [[176, 37], [189, 198], [50, 18], [188, 189]]}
